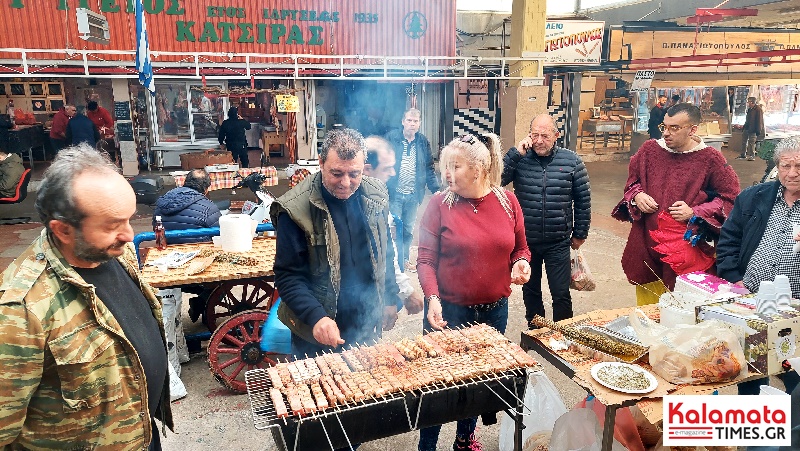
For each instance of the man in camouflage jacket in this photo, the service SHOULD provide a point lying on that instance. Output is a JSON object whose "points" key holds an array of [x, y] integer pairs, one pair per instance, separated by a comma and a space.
{"points": [[74, 375]]}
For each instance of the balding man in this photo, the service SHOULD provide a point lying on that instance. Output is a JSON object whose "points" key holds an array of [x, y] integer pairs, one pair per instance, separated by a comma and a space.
{"points": [[58, 130], [380, 165], [82, 344], [552, 186]]}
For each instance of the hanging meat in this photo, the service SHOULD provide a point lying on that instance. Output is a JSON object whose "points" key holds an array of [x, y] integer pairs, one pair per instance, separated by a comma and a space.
{"points": [[291, 136]]}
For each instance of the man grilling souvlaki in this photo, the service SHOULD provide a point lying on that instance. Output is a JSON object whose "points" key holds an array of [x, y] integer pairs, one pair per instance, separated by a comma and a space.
{"points": [[334, 259]]}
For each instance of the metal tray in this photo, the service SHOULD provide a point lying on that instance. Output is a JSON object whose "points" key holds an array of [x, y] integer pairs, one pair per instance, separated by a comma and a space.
{"points": [[600, 355], [622, 326]]}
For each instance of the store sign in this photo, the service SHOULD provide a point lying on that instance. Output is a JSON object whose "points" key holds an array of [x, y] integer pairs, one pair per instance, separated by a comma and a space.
{"points": [[645, 45], [356, 27], [642, 80], [287, 103], [568, 42]]}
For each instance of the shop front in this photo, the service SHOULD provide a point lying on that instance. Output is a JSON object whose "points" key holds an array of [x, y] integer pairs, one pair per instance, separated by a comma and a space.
{"points": [[716, 70], [207, 59]]}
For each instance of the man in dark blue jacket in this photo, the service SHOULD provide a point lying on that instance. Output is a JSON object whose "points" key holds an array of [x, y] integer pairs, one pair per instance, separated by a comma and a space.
{"points": [[552, 186], [187, 207], [757, 240], [414, 170], [81, 129]]}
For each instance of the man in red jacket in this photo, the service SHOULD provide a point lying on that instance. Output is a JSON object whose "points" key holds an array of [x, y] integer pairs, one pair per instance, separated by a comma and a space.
{"points": [[681, 176], [101, 119], [58, 131]]}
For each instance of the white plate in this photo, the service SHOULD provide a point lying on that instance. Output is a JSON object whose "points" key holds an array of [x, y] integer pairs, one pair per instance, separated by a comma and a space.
{"points": [[650, 377]]}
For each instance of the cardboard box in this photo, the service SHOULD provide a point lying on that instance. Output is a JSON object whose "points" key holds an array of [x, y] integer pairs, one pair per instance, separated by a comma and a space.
{"points": [[196, 160], [705, 284], [768, 339]]}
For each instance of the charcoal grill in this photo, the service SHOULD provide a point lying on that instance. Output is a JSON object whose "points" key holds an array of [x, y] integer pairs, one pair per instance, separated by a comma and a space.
{"points": [[397, 412]]}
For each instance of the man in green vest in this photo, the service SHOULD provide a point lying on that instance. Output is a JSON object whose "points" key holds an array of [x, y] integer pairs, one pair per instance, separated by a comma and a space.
{"points": [[334, 259]]}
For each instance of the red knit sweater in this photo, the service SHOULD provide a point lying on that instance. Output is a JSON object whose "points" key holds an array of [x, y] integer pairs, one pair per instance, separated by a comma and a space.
{"points": [[465, 257], [703, 179]]}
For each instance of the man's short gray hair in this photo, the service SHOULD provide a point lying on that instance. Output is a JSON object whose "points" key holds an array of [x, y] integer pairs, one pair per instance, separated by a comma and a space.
{"points": [[198, 180], [55, 198], [413, 112], [785, 146], [346, 142]]}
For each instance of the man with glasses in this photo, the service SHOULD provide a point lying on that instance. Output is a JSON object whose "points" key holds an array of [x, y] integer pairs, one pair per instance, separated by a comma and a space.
{"points": [[686, 180], [552, 186], [758, 239]]}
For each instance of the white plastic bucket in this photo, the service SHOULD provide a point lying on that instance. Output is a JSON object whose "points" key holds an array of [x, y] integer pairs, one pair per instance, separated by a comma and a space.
{"points": [[672, 315]]}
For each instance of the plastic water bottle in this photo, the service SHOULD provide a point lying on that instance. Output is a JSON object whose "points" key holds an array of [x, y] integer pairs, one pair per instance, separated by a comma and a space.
{"points": [[161, 235]]}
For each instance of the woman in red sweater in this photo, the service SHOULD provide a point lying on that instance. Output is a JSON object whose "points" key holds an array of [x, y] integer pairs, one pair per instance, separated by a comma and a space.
{"points": [[471, 248]]}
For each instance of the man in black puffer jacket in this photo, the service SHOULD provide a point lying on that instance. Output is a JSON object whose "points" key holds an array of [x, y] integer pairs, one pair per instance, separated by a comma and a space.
{"points": [[552, 186], [187, 207]]}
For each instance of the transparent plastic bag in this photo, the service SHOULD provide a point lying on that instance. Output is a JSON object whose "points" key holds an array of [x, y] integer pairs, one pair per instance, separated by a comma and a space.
{"points": [[580, 276], [546, 406]]}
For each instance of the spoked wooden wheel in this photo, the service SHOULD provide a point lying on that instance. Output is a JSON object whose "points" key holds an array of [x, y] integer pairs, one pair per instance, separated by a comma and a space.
{"points": [[235, 296], [235, 348]]}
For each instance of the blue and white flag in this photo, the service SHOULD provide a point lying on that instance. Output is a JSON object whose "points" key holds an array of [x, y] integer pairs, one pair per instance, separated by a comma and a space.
{"points": [[143, 63]]}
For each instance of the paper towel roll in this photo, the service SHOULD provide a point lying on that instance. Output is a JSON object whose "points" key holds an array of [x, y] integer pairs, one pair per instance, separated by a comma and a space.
{"points": [[236, 233]]}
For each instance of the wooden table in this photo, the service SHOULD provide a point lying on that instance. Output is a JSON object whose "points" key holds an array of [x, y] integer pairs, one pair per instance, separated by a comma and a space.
{"points": [[571, 363], [605, 128], [263, 251]]}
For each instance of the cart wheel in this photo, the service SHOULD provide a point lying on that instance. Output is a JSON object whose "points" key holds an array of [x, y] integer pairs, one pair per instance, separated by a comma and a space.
{"points": [[235, 347], [232, 297]]}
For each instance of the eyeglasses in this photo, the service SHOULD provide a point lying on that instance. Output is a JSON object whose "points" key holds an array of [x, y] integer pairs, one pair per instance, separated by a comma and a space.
{"points": [[672, 128]]}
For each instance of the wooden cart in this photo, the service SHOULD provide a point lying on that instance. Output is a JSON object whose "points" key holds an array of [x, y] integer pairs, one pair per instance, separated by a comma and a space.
{"points": [[241, 296]]}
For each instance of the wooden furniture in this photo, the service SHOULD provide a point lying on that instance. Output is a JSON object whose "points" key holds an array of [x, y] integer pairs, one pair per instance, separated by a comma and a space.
{"points": [[39, 97], [273, 139]]}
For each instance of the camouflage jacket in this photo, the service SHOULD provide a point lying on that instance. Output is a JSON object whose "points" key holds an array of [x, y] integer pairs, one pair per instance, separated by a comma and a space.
{"points": [[70, 377]]}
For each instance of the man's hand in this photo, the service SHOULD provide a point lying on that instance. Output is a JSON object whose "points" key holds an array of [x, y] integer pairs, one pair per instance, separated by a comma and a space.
{"points": [[435, 314], [389, 317], [681, 212], [520, 272], [575, 243], [524, 145], [326, 332], [414, 303], [645, 203]]}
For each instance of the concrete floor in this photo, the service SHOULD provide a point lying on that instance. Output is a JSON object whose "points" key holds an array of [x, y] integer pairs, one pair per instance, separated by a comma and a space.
{"points": [[213, 418]]}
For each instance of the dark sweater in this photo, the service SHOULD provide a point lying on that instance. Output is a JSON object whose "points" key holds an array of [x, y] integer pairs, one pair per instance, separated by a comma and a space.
{"points": [[231, 132]]}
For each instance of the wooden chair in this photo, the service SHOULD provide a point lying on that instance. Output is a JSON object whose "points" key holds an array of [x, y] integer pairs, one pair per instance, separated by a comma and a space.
{"points": [[20, 194]]}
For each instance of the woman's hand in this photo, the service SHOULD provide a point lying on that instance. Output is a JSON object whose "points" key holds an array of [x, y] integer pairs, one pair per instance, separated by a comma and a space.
{"points": [[435, 313], [521, 272]]}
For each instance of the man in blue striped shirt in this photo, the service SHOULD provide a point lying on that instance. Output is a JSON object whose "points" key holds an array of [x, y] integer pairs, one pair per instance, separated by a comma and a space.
{"points": [[414, 170]]}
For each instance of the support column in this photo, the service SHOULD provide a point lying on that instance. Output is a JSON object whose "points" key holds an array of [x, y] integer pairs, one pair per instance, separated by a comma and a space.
{"points": [[521, 101], [127, 147]]}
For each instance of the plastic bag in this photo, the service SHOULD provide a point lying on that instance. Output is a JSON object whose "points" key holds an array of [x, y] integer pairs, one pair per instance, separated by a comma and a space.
{"points": [[579, 430], [169, 301], [580, 277], [545, 404], [701, 353]]}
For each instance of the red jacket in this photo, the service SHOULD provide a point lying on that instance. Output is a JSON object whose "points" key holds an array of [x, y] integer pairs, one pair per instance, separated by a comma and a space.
{"points": [[102, 118], [59, 128]]}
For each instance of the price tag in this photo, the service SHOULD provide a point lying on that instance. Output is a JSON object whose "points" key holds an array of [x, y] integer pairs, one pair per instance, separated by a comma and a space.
{"points": [[288, 103]]}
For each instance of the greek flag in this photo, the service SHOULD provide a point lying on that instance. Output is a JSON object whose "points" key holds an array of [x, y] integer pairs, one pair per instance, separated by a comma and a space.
{"points": [[143, 64]]}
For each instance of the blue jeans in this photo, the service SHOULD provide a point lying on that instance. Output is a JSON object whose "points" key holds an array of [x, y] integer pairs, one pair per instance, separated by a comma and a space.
{"points": [[404, 206], [457, 315]]}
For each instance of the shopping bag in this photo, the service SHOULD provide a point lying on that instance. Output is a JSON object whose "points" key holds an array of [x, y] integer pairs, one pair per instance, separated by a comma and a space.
{"points": [[580, 277], [701, 353], [275, 336], [579, 430], [543, 406]]}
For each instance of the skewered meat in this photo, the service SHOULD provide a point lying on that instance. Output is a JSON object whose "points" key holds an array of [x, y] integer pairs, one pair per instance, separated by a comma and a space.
{"points": [[596, 341], [277, 401]]}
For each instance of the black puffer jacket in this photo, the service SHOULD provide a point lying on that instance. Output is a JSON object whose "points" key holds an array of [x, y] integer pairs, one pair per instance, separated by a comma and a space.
{"points": [[549, 191], [184, 208]]}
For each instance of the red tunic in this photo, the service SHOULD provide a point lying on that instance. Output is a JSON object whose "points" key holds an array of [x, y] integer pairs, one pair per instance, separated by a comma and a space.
{"points": [[465, 257], [703, 179]]}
